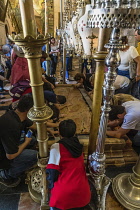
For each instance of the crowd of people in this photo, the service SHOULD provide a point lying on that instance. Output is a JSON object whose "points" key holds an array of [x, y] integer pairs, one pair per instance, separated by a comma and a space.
{"points": [[65, 169], [17, 146]]}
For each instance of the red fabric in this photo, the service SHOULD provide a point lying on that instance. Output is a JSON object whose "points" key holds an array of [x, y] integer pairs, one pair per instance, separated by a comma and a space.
{"points": [[71, 190], [20, 70], [53, 166]]}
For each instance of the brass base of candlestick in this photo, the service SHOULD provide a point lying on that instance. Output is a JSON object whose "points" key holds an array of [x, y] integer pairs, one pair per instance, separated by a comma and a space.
{"points": [[104, 184], [100, 181], [37, 197], [126, 191], [35, 186], [34, 194]]}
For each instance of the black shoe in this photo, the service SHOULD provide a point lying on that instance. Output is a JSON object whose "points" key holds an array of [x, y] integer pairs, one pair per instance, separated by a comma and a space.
{"points": [[10, 182]]}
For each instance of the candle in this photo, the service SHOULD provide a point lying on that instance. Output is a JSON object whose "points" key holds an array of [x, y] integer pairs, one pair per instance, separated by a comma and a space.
{"points": [[28, 18]]}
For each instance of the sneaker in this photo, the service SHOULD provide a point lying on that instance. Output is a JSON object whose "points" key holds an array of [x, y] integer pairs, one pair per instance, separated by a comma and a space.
{"points": [[10, 182]]}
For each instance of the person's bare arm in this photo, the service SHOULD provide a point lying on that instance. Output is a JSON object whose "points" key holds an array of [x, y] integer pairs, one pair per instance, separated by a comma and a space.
{"points": [[2, 78], [52, 132], [118, 133], [137, 60], [62, 106], [48, 124], [21, 148], [77, 85], [44, 80], [52, 125], [113, 123], [33, 126]]}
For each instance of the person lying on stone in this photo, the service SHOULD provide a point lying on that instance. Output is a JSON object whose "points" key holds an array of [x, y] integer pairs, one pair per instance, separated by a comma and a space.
{"points": [[127, 116], [91, 80], [56, 103], [83, 81]]}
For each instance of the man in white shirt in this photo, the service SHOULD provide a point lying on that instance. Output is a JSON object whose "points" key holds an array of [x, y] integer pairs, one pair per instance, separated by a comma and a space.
{"points": [[127, 115]]}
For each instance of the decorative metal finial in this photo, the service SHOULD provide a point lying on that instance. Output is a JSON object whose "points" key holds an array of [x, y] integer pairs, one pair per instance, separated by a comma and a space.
{"points": [[97, 159]]}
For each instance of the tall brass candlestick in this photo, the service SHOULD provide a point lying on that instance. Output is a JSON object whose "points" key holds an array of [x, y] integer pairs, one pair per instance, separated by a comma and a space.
{"points": [[31, 45], [28, 19], [99, 57]]}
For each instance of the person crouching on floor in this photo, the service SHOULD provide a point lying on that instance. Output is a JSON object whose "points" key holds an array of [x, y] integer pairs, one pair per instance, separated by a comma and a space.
{"points": [[127, 116], [66, 171], [15, 158]]}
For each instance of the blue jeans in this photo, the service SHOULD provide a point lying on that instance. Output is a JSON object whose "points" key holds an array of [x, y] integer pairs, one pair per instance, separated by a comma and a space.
{"points": [[68, 66], [53, 64], [21, 163], [123, 73]]}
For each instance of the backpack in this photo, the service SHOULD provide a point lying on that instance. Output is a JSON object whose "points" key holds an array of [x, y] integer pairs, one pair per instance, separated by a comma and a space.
{"points": [[18, 88], [135, 91]]}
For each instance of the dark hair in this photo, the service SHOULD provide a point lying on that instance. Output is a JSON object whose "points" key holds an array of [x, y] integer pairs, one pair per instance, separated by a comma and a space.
{"points": [[115, 110], [78, 76], [124, 40], [61, 99], [52, 38], [67, 128], [25, 103]]}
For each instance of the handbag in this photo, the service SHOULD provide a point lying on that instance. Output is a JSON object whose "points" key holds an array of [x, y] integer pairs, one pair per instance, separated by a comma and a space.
{"points": [[18, 88]]}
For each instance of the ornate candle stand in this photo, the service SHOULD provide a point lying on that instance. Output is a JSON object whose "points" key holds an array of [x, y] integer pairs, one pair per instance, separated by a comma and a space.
{"points": [[39, 114], [108, 14], [97, 159], [31, 45], [102, 16], [126, 188], [99, 56], [89, 57]]}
